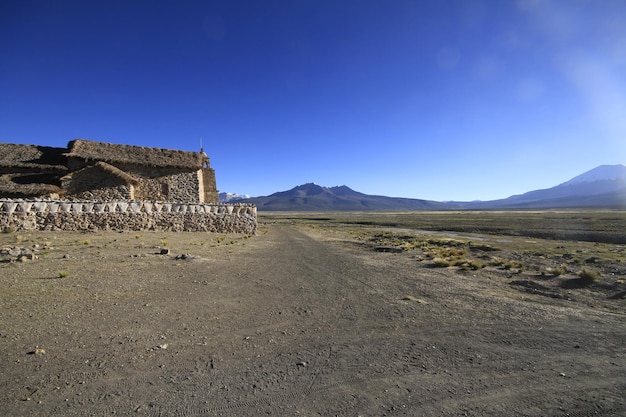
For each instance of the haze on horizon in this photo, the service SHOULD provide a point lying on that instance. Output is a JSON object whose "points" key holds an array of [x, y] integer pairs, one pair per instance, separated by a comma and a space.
{"points": [[438, 100]]}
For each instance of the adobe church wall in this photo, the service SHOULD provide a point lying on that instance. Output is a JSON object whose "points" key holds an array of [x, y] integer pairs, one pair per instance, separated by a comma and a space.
{"points": [[112, 193], [127, 215], [165, 184], [155, 183], [96, 187], [184, 187], [208, 185]]}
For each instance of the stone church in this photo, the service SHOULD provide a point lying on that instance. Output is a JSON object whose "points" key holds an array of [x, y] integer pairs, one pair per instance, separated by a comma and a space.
{"points": [[88, 170]]}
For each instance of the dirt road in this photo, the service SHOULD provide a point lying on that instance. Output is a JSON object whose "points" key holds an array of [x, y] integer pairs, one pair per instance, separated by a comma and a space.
{"points": [[293, 321]]}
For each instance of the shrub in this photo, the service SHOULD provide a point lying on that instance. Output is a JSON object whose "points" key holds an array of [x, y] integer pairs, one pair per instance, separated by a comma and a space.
{"points": [[555, 272], [469, 264], [496, 262], [63, 274], [588, 276], [441, 262], [512, 265]]}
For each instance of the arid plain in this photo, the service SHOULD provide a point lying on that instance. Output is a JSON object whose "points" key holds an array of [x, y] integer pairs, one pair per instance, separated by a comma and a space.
{"points": [[349, 314]]}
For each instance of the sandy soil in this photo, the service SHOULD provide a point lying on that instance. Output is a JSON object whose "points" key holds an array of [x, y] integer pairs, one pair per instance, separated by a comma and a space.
{"points": [[294, 321]]}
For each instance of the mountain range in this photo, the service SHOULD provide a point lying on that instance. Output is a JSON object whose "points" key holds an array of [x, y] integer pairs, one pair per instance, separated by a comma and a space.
{"points": [[601, 187]]}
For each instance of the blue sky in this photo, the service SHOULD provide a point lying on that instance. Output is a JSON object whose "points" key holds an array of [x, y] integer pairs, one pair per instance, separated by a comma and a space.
{"points": [[441, 99]]}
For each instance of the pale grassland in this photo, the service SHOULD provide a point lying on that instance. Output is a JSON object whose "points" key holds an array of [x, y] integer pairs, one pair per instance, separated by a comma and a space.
{"points": [[551, 243]]}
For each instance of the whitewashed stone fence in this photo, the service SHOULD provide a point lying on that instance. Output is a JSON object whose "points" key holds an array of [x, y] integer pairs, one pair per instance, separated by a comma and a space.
{"points": [[127, 215]]}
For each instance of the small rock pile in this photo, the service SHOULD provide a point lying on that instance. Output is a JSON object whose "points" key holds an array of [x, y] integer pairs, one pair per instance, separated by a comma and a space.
{"points": [[17, 254]]}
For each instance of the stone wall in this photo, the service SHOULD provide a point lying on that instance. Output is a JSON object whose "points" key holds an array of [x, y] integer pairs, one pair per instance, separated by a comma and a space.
{"points": [[208, 185], [113, 193], [164, 183], [127, 215], [94, 183], [184, 187]]}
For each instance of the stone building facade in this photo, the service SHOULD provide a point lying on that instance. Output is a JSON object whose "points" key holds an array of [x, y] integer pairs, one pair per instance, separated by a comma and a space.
{"points": [[91, 186], [98, 171]]}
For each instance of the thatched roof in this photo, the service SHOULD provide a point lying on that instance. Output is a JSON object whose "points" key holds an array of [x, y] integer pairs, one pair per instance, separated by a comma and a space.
{"points": [[138, 155], [129, 179], [8, 188], [32, 157]]}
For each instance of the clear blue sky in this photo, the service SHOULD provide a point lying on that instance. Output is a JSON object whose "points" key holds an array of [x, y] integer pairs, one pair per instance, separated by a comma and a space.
{"points": [[441, 100]]}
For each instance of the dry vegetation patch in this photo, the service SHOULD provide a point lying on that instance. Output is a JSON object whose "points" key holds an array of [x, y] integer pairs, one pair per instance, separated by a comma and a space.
{"points": [[549, 253]]}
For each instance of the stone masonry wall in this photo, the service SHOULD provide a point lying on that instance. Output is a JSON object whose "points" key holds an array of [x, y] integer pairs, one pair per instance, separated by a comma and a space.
{"points": [[127, 215], [184, 187], [95, 183], [164, 183], [120, 192]]}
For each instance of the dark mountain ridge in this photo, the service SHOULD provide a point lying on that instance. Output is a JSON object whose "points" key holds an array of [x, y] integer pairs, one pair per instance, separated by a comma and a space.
{"points": [[313, 197], [601, 187]]}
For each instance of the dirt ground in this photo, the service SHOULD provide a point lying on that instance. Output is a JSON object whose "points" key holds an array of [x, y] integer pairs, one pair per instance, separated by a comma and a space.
{"points": [[296, 321]]}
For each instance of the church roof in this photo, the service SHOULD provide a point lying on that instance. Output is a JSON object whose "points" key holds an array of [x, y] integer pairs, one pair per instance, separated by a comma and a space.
{"points": [[32, 157], [109, 169], [28, 189], [137, 155]]}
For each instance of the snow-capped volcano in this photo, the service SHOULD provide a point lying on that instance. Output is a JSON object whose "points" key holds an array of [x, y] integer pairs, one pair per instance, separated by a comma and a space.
{"points": [[603, 186], [231, 197], [601, 173]]}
